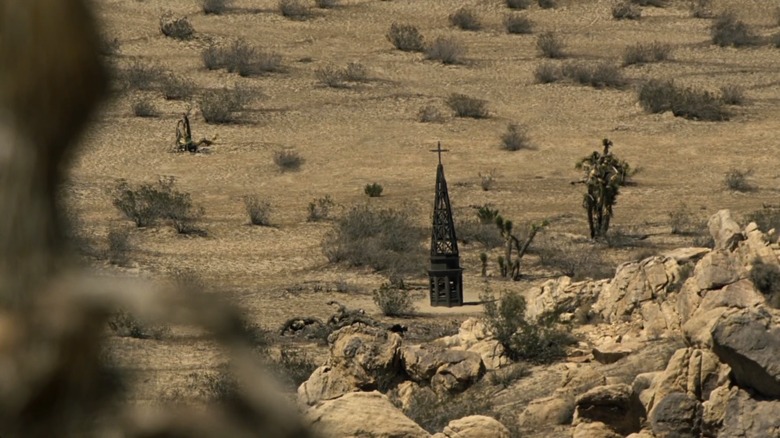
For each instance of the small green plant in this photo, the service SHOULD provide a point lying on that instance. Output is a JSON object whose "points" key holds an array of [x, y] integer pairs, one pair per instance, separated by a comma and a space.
{"points": [[515, 138], [766, 278], [430, 114], [727, 30], [144, 107], [603, 174], [626, 11], [406, 37], [643, 53], [466, 106], [288, 160], [393, 301], [737, 180], [373, 190], [518, 24], [176, 27], [446, 50], [732, 94], [319, 209], [294, 9], [219, 106], [215, 7], [518, 4], [550, 46], [259, 210], [547, 73], [466, 19]]}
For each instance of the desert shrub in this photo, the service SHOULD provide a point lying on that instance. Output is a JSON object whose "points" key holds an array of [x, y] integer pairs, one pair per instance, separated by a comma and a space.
{"points": [[125, 325], [144, 107], [175, 87], [737, 180], [147, 204], [518, 24], [766, 278], [383, 239], [213, 57], [660, 96], [547, 73], [430, 114], [486, 234], [656, 3], [515, 138], [466, 106], [176, 27], [262, 62], [466, 19], [294, 9], [547, 4], [626, 11], [258, 210], [518, 4], [601, 75], [288, 160], [775, 40], [727, 30], [215, 7], [767, 218], [140, 75], [393, 301], [578, 261], [643, 53], [701, 8], [538, 342], [487, 179], [319, 209], [373, 190], [238, 56], [331, 76], [118, 246], [682, 222], [221, 105], [326, 4], [550, 46], [406, 37], [446, 50], [356, 72], [732, 94]]}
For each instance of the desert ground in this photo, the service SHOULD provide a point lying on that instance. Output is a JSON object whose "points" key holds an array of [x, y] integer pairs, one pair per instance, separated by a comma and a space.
{"points": [[369, 132]]}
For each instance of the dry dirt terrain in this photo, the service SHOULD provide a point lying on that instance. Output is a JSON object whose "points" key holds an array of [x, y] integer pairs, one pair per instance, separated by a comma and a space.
{"points": [[368, 132]]}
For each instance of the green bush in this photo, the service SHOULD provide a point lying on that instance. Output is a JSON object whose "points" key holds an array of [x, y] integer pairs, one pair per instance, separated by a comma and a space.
{"points": [[550, 46], [626, 11], [644, 53], [518, 4], [539, 342], [766, 278], [466, 106], [219, 106], [515, 138], [446, 50], [259, 210], [660, 96], [518, 24], [384, 239], [373, 190], [393, 301], [727, 30], [319, 209], [737, 180], [288, 160], [406, 37], [176, 27], [466, 19]]}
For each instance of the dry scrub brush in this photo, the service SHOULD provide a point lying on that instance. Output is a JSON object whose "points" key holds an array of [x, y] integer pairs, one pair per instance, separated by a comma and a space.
{"points": [[465, 19], [447, 50], [467, 106], [176, 27], [406, 37], [643, 53], [550, 46], [221, 106]]}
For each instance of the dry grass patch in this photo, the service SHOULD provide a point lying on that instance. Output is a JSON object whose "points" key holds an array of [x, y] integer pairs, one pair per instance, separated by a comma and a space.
{"points": [[140, 75], [518, 4], [466, 106], [288, 160], [601, 75], [547, 73], [515, 138], [174, 87], [446, 50], [406, 37], [625, 10], [701, 9], [326, 4], [738, 180], [643, 53], [732, 95], [547, 4], [144, 107], [430, 114], [258, 210]]}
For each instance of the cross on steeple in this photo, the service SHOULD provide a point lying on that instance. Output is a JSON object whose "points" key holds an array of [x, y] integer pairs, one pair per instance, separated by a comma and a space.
{"points": [[439, 150]]}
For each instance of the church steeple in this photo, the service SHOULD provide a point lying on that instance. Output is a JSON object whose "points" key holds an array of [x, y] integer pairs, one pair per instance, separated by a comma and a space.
{"points": [[445, 274]]}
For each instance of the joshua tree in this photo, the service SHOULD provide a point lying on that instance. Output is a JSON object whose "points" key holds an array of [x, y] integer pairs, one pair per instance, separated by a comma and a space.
{"points": [[604, 174], [511, 267]]}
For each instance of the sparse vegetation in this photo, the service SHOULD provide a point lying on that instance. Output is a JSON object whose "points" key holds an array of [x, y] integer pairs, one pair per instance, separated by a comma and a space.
{"points": [[727, 30], [466, 106], [406, 37], [141, 75], [373, 190], [326, 4], [600, 75], [294, 9], [485, 234], [766, 218], [144, 107], [509, 262], [775, 40], [384, 239], [737, 180], [215, 7], [550, 46], [430, 114], [518, 24], [147, 204], [242, 58], [125, 325], [288, 160], [213, 57], [220, 106], [515, 138], [433, 411], [547, 4], [446, 50], [681, 221], [659, 96], [176, 27], [643, 53], [174, 87], [766, 278], [118, 245], [319, 209], [732, 94], [258, 210], [701, 8], [518, 4], [655, 3], [547, 73], [487, 215], [487, 179], [356, 72], [393, 301], [579, 261], [466, 19], [293, 367], [625, 10], [331, 76]]}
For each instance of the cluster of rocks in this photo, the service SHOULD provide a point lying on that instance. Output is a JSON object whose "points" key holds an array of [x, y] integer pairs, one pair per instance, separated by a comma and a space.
{"points": [[720, 376]]}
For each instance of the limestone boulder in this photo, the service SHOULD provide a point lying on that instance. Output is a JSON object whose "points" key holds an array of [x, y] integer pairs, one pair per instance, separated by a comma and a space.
{"points": [[740, 295], [717, 269], [492, 353], [686, 255], [698, 329], [677, 415], [553, 410], [748, 417], [725, 231], [614, 405], [358, 414], [370, 354], [458, 376], [446, 369], [561, 295], [474, 426], [408, 394], [749, 342]]}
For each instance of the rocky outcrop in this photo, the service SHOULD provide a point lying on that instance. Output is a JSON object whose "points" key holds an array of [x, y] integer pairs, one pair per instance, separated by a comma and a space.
{"points": [[561, 295], [362, 414], [614, 405], [677, 415], [747, 417], [474, 426], [748, 341], [445, 369], [475, 337], [553, 410], [724, 230], [689, 371]]}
